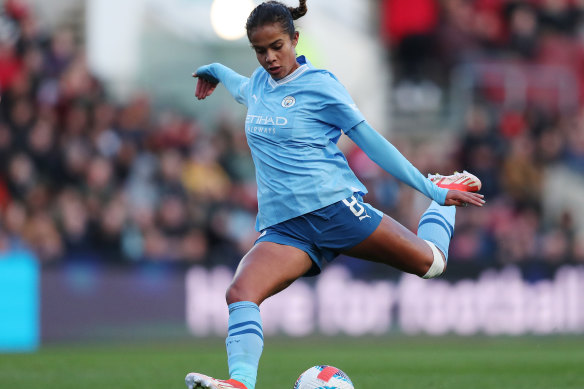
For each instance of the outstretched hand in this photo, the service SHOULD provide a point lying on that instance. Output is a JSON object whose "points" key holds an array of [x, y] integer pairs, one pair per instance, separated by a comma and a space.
{"points": [[463, 199], [204, 88]]}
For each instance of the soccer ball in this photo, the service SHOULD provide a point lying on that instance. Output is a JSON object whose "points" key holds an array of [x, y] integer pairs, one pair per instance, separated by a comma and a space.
{"points": [[323, 377]]}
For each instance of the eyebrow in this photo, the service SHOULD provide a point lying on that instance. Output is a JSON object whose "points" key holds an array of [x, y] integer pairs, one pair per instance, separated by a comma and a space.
{"points": [[271, 44]]}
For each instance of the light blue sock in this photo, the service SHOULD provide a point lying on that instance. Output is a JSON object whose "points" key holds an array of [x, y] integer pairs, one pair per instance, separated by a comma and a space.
{"points": [[437, 226], [245, 342]]}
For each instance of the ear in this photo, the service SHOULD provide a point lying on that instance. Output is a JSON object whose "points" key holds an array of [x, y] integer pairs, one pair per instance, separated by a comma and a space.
{"points": [[295, 39]]}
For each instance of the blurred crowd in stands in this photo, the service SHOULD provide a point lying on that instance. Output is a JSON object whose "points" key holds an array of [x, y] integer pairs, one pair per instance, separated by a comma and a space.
{"points": [[84, 178], [523, 64]]}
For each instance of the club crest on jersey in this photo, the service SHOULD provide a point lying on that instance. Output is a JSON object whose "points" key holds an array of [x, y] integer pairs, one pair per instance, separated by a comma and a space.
{"points": [[288, 101]]}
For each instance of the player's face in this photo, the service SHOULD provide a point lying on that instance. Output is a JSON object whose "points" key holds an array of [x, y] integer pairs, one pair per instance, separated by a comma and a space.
{"points": [[275, 50]]}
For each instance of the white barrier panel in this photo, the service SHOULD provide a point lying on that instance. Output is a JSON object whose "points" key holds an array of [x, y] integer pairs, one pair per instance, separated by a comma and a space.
{"points": [[497, 303]]}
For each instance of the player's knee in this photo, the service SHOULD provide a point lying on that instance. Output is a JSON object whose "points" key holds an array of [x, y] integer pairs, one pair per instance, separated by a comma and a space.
{"points": [[436, 265], [236, 293], [233, 294]]}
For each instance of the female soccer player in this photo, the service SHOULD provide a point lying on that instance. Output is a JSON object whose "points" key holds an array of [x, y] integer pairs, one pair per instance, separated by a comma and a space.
{"points": [[310, 207]]}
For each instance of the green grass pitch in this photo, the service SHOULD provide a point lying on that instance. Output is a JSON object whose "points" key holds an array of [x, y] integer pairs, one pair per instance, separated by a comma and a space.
{"points": [[382, 363]]}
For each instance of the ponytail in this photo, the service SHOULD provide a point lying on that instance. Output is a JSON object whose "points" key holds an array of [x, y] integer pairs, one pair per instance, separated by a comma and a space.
{"points": [[299, 11]]}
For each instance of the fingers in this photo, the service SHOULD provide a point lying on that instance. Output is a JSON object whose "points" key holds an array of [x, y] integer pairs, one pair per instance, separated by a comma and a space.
{"points": [[198, 89], [204, 88], [209, 89], [466, 199]]}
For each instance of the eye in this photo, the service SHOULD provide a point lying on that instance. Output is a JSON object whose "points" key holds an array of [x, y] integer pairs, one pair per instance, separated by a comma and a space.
{"points": [[277, 47], [259, 50]]}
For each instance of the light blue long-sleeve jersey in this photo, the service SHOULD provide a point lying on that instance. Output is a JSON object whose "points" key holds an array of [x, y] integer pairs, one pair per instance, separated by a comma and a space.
{"points": [[292, 128]]}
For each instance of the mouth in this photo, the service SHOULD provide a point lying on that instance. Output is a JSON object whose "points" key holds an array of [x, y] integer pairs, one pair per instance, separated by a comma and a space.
{"points": [[274, 69]]}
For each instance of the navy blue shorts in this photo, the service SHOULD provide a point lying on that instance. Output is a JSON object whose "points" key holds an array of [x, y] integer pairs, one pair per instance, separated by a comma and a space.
{"points": [[323, 234]]}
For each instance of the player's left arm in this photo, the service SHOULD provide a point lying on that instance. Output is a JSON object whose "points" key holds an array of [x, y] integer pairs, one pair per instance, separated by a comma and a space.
{"points": [[388, 157]]}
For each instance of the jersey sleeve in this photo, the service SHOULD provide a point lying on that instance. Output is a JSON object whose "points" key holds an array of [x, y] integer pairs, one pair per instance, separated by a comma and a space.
{"points": [[236, 84], [392, 161], [334, 105], [241, 92]]}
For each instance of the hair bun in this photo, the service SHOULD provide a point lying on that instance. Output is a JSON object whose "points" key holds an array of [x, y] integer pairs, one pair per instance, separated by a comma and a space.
{"points": [[299, 11]]}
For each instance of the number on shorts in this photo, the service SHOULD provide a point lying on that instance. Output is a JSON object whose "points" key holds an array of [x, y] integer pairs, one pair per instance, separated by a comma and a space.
{"points": [[354, 206]]}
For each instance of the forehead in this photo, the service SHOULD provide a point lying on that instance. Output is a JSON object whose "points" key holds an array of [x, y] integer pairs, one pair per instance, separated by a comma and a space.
{"points": [[267, 34]]}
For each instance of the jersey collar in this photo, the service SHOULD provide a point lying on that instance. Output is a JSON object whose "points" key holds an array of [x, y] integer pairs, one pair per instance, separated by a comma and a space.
{"points": [[292, 76]]}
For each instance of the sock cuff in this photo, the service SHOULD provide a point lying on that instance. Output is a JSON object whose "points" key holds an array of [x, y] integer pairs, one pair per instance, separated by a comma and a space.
{"points": [[242, 304], [448, 213]]}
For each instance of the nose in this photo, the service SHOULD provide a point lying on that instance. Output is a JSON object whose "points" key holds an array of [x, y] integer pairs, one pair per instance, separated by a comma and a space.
{"points": [[270, 57]]}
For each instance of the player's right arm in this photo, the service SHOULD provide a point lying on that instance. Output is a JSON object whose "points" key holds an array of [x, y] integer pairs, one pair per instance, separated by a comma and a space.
{"points": [[208, 76]]}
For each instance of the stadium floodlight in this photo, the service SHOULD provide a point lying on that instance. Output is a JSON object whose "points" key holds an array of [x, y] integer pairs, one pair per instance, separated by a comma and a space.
{"points": [[228, 17]]}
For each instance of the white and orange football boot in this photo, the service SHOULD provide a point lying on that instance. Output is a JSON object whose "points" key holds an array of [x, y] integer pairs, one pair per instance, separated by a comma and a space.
{"points": [[201, 381], [464, 181]]}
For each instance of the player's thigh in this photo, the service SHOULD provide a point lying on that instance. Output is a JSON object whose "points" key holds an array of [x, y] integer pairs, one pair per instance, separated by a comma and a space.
{"points": [[265, 270], [393, 244]]}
